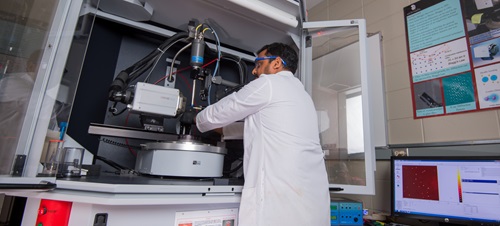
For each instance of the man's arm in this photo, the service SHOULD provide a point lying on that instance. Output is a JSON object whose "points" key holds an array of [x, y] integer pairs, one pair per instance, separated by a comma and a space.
{"points": [[236, 106]]}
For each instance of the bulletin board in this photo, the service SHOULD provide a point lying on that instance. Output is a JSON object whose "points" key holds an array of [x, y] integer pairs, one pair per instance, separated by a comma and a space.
{"points": [[453, 56]]}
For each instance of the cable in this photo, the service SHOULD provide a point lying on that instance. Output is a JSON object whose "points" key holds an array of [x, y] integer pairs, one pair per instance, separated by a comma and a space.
{"points": [[182, 77], [175, 57], [123, 79], [113, 108], [142, 65], [241, 64], [152, 68], [240, 67], [120, 112], [218, 58], [162, 51], [200, 25], [164, 77], [242, 70], [111, 163], [183, 69], [116, 143], [132, 151]]}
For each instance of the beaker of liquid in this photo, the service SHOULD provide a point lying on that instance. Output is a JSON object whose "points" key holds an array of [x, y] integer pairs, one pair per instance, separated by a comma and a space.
{"points": [[71, 162]]}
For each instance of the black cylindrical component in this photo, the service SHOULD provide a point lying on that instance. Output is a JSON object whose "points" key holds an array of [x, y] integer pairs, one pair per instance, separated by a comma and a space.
{"points": [[119, 84], [197, 51]]}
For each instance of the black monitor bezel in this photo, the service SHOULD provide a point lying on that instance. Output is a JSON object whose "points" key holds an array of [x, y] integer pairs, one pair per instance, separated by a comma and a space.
{"points": [[448, 220]]}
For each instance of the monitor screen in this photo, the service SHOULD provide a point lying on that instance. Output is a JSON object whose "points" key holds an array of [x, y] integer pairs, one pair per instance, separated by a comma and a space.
{"points": [[446, 189]]}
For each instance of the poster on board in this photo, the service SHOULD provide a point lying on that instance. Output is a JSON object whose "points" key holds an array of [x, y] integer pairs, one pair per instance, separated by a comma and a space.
{"points": [[453, 56]]}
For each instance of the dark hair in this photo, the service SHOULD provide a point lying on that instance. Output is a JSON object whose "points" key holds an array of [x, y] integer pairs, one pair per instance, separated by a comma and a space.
{"points": [[285, 52]]}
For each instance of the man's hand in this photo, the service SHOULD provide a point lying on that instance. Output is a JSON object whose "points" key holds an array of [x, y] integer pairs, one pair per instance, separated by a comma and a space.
{"points": [[189, 117]]}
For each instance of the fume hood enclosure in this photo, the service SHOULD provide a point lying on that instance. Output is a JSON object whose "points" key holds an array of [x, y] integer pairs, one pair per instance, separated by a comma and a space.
{"points": [[87, 44]]}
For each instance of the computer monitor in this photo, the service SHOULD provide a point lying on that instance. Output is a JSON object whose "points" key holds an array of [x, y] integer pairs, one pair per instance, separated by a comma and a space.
{"points": [[454, 190]]}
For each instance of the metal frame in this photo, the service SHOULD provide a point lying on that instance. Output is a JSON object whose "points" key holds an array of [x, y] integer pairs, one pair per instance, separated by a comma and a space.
{"points": [[306, 72]]}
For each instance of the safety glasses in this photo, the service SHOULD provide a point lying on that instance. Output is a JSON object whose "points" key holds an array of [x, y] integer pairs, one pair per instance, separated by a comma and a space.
{"points": [[269, 58]]}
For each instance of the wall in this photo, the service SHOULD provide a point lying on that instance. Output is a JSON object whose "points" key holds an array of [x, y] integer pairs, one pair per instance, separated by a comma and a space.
{"points": [[386, 17]]}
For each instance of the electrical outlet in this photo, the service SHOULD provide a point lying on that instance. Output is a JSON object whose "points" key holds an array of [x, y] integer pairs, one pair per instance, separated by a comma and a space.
{"points": [[101, 219]]}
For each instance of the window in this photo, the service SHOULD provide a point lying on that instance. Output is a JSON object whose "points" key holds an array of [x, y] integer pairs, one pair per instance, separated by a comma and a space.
{"points": [[354, 122]]}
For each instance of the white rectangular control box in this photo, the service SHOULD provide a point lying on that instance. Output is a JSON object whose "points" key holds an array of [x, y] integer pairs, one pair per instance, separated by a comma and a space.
{"points": [[157, 100]]}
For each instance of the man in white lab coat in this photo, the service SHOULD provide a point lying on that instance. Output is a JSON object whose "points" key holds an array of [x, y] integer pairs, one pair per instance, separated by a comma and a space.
{"points": [[285, 175]]}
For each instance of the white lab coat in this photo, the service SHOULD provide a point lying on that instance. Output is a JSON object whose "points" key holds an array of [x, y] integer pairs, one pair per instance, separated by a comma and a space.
{"points": [[285, 174]]}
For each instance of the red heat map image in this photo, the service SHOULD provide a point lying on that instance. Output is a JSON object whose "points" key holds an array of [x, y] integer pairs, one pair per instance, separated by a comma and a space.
{"points": [[420, 182]]}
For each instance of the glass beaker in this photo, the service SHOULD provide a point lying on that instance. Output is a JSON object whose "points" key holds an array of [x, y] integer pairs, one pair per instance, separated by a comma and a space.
{"points": [[71, 162]]}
